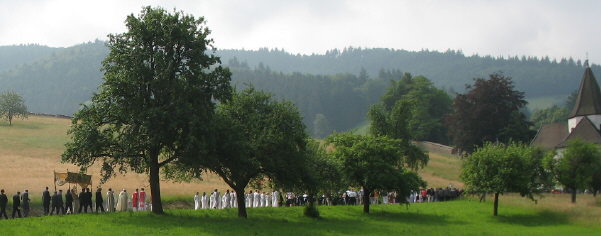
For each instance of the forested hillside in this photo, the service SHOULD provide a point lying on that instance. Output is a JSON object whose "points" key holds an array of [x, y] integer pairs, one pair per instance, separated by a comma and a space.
{"points": [[537, 77], [333, 90]]}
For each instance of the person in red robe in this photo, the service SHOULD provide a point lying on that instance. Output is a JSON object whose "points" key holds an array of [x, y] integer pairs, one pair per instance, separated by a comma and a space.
{"points": [[134, 200], [142, 200]]}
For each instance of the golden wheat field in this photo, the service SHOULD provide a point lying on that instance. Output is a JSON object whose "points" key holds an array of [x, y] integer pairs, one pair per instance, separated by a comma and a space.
{"points": [[30, 151]]}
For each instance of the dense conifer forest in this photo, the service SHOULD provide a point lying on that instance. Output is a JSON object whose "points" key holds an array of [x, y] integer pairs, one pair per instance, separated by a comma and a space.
{"points": [[333, 90]]}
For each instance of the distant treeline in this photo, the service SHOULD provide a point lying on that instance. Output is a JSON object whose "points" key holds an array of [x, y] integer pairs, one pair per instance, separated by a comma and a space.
{"points": [[333, 90]]}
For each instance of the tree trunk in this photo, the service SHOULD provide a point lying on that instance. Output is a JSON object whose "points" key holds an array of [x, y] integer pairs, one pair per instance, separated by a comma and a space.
{"points": [[241, 198], [155, 185], [366, 194], [496, 204], [573, 195], [595, 192]]}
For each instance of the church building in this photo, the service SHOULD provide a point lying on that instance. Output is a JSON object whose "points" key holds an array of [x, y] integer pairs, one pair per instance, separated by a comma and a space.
{"points": [[584, 122]]}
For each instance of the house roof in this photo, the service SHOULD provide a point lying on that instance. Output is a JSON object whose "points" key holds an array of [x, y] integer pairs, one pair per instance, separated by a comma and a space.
{"points": [[585, 130], [588, 101], [550, 135]]}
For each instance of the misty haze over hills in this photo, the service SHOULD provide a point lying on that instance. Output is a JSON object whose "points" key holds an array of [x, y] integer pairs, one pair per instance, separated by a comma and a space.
{"points": [[330, 86]]}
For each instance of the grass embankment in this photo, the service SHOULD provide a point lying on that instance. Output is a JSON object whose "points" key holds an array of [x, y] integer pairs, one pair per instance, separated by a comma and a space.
{"points": [[464, 217]]}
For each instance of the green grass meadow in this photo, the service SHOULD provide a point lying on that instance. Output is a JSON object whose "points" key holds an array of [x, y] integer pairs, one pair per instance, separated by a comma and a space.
{"points": [[462, 217]]}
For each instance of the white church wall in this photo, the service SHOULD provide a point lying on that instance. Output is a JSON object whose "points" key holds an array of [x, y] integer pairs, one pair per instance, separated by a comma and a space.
{"points": [[572, 122]]}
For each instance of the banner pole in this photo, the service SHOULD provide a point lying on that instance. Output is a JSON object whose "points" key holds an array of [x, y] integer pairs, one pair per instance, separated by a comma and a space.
{"points": [[54, 179]]}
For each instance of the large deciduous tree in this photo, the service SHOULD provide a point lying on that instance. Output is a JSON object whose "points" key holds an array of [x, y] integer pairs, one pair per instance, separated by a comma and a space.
{"points": [[427, 106], [254, 138], [372, 163], [574, 168], [161, 82], [12, 105], [490, 111], [499, 168], [395, 124]]}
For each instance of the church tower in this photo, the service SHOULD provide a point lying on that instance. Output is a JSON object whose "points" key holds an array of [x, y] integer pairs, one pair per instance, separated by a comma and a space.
{"points": [[588, 102]]}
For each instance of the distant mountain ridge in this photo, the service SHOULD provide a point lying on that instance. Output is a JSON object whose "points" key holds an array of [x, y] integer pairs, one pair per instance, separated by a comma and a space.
{"points": [[330, 85]]}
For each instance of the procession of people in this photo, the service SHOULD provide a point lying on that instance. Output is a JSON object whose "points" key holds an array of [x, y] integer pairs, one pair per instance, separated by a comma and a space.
{"points": [[74, 202]]}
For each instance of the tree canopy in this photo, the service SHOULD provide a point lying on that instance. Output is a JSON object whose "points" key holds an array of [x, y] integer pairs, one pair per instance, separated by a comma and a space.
{"points": [[427, 106], [499, 168], [158, 95], [253, 138], [490, 111], [373, 163], [12, 105], [575, 165]]}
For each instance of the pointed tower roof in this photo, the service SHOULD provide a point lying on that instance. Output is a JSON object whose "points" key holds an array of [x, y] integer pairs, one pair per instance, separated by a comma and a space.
{"points": [[588, 101]]}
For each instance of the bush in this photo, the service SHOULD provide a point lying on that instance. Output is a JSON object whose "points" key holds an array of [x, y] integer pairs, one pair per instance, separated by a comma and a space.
{"points": [[311, 211]]}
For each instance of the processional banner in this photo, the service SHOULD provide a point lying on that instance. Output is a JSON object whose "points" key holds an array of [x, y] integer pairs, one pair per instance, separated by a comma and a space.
{"points": [[82, 180]]}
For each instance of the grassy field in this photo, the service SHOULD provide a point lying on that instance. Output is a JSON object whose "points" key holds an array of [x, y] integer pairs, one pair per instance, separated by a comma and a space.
{"points": [[463, 217]]}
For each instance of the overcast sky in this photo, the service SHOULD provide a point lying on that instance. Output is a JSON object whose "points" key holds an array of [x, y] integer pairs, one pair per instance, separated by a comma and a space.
{"points": [[499, 28]]}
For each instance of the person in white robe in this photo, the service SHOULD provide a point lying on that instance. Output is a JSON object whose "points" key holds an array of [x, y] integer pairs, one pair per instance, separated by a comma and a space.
{"points": [[275, 199], [262, 199], [75, 200], [196, 201], [234, 200], [203, 200], [249, 199], [256, 199], [218, 200], [110, 201], [267, 200], [228, 198], [213, 199], [122, 201]]}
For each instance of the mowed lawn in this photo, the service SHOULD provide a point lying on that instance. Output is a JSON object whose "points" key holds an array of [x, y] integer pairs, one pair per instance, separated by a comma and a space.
{"points": [[462, 217]]}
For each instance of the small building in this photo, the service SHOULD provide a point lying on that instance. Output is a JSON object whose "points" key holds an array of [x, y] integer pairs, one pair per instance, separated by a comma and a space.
{"points": [[584, 121]]}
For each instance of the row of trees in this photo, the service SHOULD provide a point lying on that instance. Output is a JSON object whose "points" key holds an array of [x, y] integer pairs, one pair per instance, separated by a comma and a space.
{"points": [[500, 168], [166, 105], [12, 106]]}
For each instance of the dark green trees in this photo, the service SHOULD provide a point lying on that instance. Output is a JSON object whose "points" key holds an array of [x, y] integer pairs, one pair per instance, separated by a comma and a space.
{"points": [[158, 95], [423, 105], [499, 168], [12, 105], [488, 112], [253, 138], [372, 163], [575, 168]]}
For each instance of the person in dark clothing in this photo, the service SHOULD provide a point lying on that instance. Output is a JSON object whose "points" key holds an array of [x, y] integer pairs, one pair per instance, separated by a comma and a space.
{"points": [[54, 201], [3, 203], [89, 198], [46, 201], [83, 202], [69, 202], [99, 200], [60, 203], [25, 202], [17, 204]]}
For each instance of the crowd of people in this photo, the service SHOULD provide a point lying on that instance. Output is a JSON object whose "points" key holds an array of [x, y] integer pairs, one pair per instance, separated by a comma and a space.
{"points": [[229, 200], [75, 203], [216, 200]]}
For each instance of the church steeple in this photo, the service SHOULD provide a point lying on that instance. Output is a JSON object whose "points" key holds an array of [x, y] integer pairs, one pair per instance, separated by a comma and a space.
{"points": [[588, 101]]}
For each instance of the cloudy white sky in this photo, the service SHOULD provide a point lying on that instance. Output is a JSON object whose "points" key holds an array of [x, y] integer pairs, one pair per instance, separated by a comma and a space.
{"points": [[499, 28]]}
